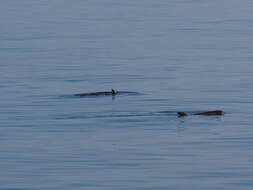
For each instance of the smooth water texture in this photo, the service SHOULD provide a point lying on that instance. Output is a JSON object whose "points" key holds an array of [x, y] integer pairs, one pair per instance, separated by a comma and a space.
{"points": [[180, 55]]}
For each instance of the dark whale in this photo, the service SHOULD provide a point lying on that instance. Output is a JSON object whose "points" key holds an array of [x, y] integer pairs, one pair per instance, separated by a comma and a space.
{"points": [[207, 113], [112, 93]]}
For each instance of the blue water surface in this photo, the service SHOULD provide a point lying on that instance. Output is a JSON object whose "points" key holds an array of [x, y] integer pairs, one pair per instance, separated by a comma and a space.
{"points": [[180, 55]]}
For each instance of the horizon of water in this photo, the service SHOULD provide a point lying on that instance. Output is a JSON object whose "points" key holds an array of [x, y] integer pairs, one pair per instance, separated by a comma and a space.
{"points": [[180, 55]]}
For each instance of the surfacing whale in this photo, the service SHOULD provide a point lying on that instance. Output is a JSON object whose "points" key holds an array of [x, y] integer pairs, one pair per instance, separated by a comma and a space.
{"points": [[207, 113], [113, 93]]}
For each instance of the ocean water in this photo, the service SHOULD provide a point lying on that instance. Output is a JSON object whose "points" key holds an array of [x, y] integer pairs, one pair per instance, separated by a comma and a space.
{"points": [[180, 55]]}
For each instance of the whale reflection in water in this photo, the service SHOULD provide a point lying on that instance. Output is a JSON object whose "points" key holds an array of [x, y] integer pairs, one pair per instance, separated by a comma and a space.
{"points": [[113, 93]]}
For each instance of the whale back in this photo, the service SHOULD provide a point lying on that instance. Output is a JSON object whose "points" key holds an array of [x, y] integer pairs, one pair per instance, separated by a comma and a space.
{"points": [[207, 113], [215, 112]]}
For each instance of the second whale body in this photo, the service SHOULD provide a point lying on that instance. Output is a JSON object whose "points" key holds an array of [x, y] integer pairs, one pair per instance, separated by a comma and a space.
{"points": [[207, 113]]}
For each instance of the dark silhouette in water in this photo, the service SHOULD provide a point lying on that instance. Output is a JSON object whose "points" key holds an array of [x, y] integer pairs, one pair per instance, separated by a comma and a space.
{"points": [[208, 113], [112, 93]]}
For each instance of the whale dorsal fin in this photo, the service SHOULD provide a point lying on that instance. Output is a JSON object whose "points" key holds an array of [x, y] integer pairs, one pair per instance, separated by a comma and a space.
{"points": [[114, 91], [182, 114]]}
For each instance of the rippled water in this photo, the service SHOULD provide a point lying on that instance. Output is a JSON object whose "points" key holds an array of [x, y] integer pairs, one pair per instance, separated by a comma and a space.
{"points": [[181, 55]]}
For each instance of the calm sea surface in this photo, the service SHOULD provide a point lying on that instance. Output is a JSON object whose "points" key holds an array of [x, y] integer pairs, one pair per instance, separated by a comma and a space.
{"points": [[181, 55]]}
